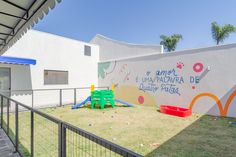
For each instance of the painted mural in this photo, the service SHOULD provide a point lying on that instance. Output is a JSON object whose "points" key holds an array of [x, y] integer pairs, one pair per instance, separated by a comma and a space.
{"points": [[174, 82], [102, 69], [166, 80], [223, 110]]}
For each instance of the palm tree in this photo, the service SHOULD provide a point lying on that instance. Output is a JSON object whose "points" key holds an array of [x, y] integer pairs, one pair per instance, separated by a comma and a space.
{"points": [[220, 33], [170, 42]]}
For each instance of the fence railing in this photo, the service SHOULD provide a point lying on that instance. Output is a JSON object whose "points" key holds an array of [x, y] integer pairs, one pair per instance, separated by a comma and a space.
{"points": [[35, 133], [58, 94]]}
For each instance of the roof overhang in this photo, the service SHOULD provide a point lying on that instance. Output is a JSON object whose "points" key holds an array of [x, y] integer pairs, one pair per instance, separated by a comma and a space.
{"points": [[16, 60], [16, 17]]}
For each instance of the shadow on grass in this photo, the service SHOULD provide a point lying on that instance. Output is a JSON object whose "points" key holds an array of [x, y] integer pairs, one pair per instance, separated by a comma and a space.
{"points": [[209, 136], [98, 106]]}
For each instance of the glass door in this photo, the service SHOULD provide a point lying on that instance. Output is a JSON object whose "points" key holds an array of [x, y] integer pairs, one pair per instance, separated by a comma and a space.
{"points": [[5, 80]]}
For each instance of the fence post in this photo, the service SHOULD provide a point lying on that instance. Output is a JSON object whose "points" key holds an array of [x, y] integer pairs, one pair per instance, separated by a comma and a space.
{"points": [[8, 106], [60, 97], [32, 99], [32, 133], [62, 140], [1, 111], [17, 127], [74, 96]]}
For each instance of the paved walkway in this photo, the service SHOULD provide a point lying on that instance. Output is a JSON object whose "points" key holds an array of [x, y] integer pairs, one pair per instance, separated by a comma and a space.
{"points": [[6, 147]]}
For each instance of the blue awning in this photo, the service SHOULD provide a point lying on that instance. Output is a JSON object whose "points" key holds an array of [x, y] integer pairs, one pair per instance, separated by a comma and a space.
{"points": [[15, 60]]}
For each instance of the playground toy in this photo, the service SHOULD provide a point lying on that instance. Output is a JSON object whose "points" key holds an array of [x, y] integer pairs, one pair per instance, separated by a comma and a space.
{"points": [[175, 111], [102, 98]]}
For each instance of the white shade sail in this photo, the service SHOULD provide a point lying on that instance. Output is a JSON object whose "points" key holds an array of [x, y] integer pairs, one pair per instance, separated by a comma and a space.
{"points": [[17, 16]]}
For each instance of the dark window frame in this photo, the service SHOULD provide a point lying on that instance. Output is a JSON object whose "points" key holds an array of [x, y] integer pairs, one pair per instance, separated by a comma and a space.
{"points": [[87, 50]]}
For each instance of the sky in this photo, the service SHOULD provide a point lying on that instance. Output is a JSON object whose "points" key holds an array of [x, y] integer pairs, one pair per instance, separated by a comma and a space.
{"points": [[141, 21]]}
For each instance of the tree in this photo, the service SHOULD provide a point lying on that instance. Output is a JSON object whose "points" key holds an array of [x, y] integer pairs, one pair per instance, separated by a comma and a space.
{"points": [[170, 42], [220, 33]]}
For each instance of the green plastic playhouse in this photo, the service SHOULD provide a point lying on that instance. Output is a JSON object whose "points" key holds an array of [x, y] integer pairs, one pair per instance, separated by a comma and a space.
{"points": [[102, 98]]}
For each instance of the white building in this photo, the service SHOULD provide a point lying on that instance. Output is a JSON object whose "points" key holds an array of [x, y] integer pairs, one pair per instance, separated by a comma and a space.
{"points": [[110, 49], [60, 63]]}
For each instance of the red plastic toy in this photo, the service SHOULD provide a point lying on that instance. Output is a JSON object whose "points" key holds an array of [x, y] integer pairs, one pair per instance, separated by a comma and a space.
{"points": [[175, 111]]}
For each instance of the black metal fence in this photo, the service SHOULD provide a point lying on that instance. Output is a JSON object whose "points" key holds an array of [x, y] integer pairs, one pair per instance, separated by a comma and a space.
{"points": [[34, 133]]}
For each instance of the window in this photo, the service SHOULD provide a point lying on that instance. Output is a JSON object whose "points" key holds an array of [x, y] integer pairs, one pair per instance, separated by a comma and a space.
{"points": [[87, 50], [55, 77]]}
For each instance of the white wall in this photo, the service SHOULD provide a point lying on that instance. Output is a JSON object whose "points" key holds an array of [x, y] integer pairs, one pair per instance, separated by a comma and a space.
{"points": [[137, 79], [52, 52], [114, 50]]}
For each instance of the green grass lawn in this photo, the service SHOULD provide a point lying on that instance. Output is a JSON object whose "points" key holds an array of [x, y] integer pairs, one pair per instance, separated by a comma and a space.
{"points": [[141, 129]]}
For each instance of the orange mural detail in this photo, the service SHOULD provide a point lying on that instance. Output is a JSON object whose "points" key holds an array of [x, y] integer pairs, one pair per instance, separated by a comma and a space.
{"points": [[223, 110], [228, 102]]}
